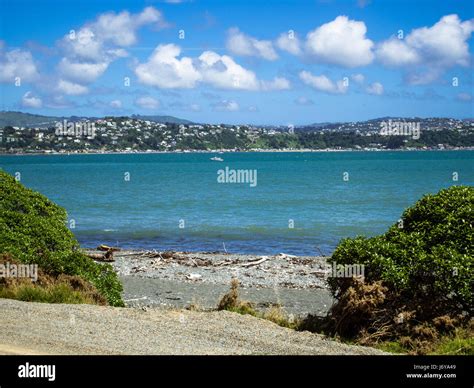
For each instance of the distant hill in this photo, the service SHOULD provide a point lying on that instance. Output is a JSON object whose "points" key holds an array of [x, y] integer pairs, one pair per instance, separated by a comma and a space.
{"points": [[21, 119], [373, 124], [163, 119], [319, 125]]}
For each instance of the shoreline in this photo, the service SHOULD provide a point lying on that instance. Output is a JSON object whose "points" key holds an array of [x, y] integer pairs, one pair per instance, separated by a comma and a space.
{"points": [[188, 279], [328, 150]]}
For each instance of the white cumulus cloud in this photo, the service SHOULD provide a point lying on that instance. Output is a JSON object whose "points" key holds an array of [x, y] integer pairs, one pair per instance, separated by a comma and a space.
{"points": [[395, 52], [120, 28], [278, 83], [340, 42], [289, 42], [110, 30], [323, 83], [221, 71], [17, 63], [375, 88], [71, 88], [90, 50], [82, 72], [433, 49], [239, 43], [164, 70], [30, 101]]}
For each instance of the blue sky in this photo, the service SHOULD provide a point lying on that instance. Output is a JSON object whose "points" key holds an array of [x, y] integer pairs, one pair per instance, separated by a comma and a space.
{"points": [[261, 62]]}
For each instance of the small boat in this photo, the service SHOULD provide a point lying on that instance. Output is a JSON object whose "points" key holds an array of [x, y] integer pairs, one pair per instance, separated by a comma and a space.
{"points": [[217, 159]]}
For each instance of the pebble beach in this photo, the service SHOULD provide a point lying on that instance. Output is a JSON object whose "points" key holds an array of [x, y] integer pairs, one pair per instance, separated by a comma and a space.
{"points": [[186, 279]]}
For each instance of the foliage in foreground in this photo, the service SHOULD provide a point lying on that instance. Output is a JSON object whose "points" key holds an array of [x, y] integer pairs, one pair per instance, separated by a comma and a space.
{"points": [[419, 276], [33, 231], [47, 288], [458, 343]]}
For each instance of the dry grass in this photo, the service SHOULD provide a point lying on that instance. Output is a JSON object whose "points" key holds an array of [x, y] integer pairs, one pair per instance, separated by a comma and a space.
{"points": [[372, 315], [49, 289], [279, 316], [232, 302]]}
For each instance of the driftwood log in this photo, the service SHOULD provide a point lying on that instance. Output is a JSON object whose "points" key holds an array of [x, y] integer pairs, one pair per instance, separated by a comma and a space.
{"points": [[255, 262], [107, 256], [107, 248], [168, 256]]}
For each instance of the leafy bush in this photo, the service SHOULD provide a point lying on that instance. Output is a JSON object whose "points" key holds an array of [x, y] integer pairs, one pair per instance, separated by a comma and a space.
{"points": [[427, 256], [33, 230], [418, 283]]}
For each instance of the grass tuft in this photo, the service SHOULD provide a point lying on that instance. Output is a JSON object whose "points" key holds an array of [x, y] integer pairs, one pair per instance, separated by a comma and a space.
{"points": [[232, 302]]}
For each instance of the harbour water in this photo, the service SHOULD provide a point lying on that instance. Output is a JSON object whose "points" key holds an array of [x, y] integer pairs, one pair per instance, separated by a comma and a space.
{"points": [[299, 203]]}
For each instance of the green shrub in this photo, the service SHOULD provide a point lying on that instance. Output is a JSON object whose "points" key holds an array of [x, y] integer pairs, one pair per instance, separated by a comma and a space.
{"points": [[461, 343], [458, 343], [33, 230], [427, 257]]}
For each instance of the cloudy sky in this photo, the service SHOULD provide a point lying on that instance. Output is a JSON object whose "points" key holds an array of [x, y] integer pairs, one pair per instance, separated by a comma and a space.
{"points": [[262, 62]]}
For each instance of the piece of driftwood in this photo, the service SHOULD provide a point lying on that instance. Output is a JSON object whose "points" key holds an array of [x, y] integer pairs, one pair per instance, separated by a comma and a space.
{"points": [[107, 256], [106, 248], [223, 263], [95, 256], [254, 262], [168, 256], [194, 276]]}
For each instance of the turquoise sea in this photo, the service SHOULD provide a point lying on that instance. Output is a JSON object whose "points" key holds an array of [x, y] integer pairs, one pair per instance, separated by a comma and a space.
{"points": [[301, 203]]}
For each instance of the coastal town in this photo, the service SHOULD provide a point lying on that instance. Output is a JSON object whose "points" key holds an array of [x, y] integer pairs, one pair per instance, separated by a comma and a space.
{"points": [[134, 134]]}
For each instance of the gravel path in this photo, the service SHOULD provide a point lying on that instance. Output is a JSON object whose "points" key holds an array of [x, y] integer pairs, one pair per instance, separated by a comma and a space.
{"points": [[85, 329]]}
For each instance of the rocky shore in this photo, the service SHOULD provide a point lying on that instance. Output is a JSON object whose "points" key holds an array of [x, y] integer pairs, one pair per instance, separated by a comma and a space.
{"points": [[185, 279]]}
